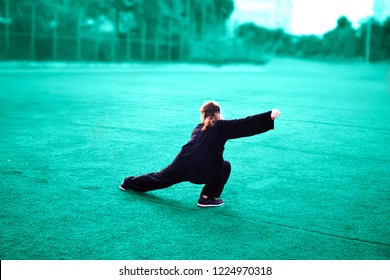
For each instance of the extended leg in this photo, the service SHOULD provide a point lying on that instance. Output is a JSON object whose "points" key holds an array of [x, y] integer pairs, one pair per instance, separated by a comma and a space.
{"points": [[152, 181]]}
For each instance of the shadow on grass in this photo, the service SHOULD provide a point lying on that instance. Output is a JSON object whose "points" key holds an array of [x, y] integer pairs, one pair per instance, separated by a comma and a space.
{"points": [[180, 203], [226, 212]]}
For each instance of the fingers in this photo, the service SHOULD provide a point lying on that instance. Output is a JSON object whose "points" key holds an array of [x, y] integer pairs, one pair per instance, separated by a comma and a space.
{"points": [[275, 113]]}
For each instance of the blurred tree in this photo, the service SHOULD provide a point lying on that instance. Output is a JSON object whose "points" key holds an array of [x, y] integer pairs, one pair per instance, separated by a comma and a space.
{"points": [[184, 13], [309, 46], [181, 21], [385, 42], [260, 41], [343, 22], [208, 16], [288, 45], [211, 11], [341, 41], [378, 44]]}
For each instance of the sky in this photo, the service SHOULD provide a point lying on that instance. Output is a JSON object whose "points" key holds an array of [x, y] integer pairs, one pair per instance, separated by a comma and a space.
{"points": [[320, 16], [315, 16]]}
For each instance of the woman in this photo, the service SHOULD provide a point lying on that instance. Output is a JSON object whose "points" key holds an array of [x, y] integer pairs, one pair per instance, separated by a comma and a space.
{"points": [[201, 161]]}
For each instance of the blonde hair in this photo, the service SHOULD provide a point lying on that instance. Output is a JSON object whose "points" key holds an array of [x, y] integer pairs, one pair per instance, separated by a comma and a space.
{"points": [[211, 113]]}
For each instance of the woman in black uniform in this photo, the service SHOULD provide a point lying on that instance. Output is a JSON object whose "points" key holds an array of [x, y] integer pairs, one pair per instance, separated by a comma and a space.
{"points": [[201, 161]]}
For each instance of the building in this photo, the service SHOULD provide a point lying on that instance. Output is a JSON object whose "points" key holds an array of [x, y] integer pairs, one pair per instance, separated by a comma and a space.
{"points": [[267, 13], [381, 9]]}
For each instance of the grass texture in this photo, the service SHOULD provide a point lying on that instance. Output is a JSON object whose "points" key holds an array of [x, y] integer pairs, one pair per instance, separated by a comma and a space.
{"points": [[316, 187]]}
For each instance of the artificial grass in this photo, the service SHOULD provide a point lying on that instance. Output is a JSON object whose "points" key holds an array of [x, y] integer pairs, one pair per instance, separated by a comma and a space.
{"points": [[317, 187]]}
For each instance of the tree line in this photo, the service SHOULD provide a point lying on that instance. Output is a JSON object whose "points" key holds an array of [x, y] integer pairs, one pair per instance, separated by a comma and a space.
{"points": [[371, 41], [185, 28]]}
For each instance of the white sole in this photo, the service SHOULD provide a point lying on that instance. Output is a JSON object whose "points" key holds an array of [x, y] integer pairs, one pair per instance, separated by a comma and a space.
{"points": [[209, 205]]}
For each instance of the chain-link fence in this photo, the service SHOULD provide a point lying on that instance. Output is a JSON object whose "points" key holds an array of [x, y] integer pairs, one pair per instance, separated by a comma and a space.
{"points": [[117, 31], [173, 30]]}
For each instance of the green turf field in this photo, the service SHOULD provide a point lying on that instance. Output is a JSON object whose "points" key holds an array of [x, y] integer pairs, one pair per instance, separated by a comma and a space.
{"points": [[316, 187]]}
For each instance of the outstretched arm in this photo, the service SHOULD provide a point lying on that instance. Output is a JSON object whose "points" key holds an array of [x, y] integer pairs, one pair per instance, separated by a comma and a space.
{"points": [[249, 126]]}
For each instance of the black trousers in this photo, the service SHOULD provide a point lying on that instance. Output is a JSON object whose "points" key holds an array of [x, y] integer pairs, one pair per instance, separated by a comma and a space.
{"points": [[166, 178]]}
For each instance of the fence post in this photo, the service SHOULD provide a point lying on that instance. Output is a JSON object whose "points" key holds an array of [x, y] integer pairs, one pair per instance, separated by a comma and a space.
{"points": [[97, 44], [113, 45], [181, 46], [128, 46], [237, 56], [143, 50], [156, 43], [368, 40], [55, 36], [170, 40], [191, 20], [114, 37], [203, 24], [7, 30], [220, 30], [188, 31], [33, 30], [78, 44]]}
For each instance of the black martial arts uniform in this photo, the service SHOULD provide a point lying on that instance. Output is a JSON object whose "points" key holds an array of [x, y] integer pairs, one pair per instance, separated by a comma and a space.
{"points": [[201, 161]]}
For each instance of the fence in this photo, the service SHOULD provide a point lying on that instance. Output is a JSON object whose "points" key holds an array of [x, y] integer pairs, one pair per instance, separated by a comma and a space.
{"points": [[38, 30], [182, 30]]}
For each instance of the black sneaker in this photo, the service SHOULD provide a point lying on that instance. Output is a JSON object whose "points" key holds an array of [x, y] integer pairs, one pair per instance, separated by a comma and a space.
{"points": [[123, 185], [209, 202]]}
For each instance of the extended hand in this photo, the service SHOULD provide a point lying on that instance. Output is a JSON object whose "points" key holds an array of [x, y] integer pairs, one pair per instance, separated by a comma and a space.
{"points": [[275, 113]]}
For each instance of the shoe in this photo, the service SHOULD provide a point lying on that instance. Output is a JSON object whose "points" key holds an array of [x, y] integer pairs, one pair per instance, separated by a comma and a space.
{"points": [[209, 202], [123, 185]]}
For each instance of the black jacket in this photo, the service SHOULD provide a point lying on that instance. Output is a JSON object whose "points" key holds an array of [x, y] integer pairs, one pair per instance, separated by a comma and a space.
{"points": [[202, 157]]}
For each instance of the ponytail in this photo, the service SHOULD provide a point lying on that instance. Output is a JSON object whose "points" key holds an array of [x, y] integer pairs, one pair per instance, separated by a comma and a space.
{"points": [[210, 114], [210, 121]]}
